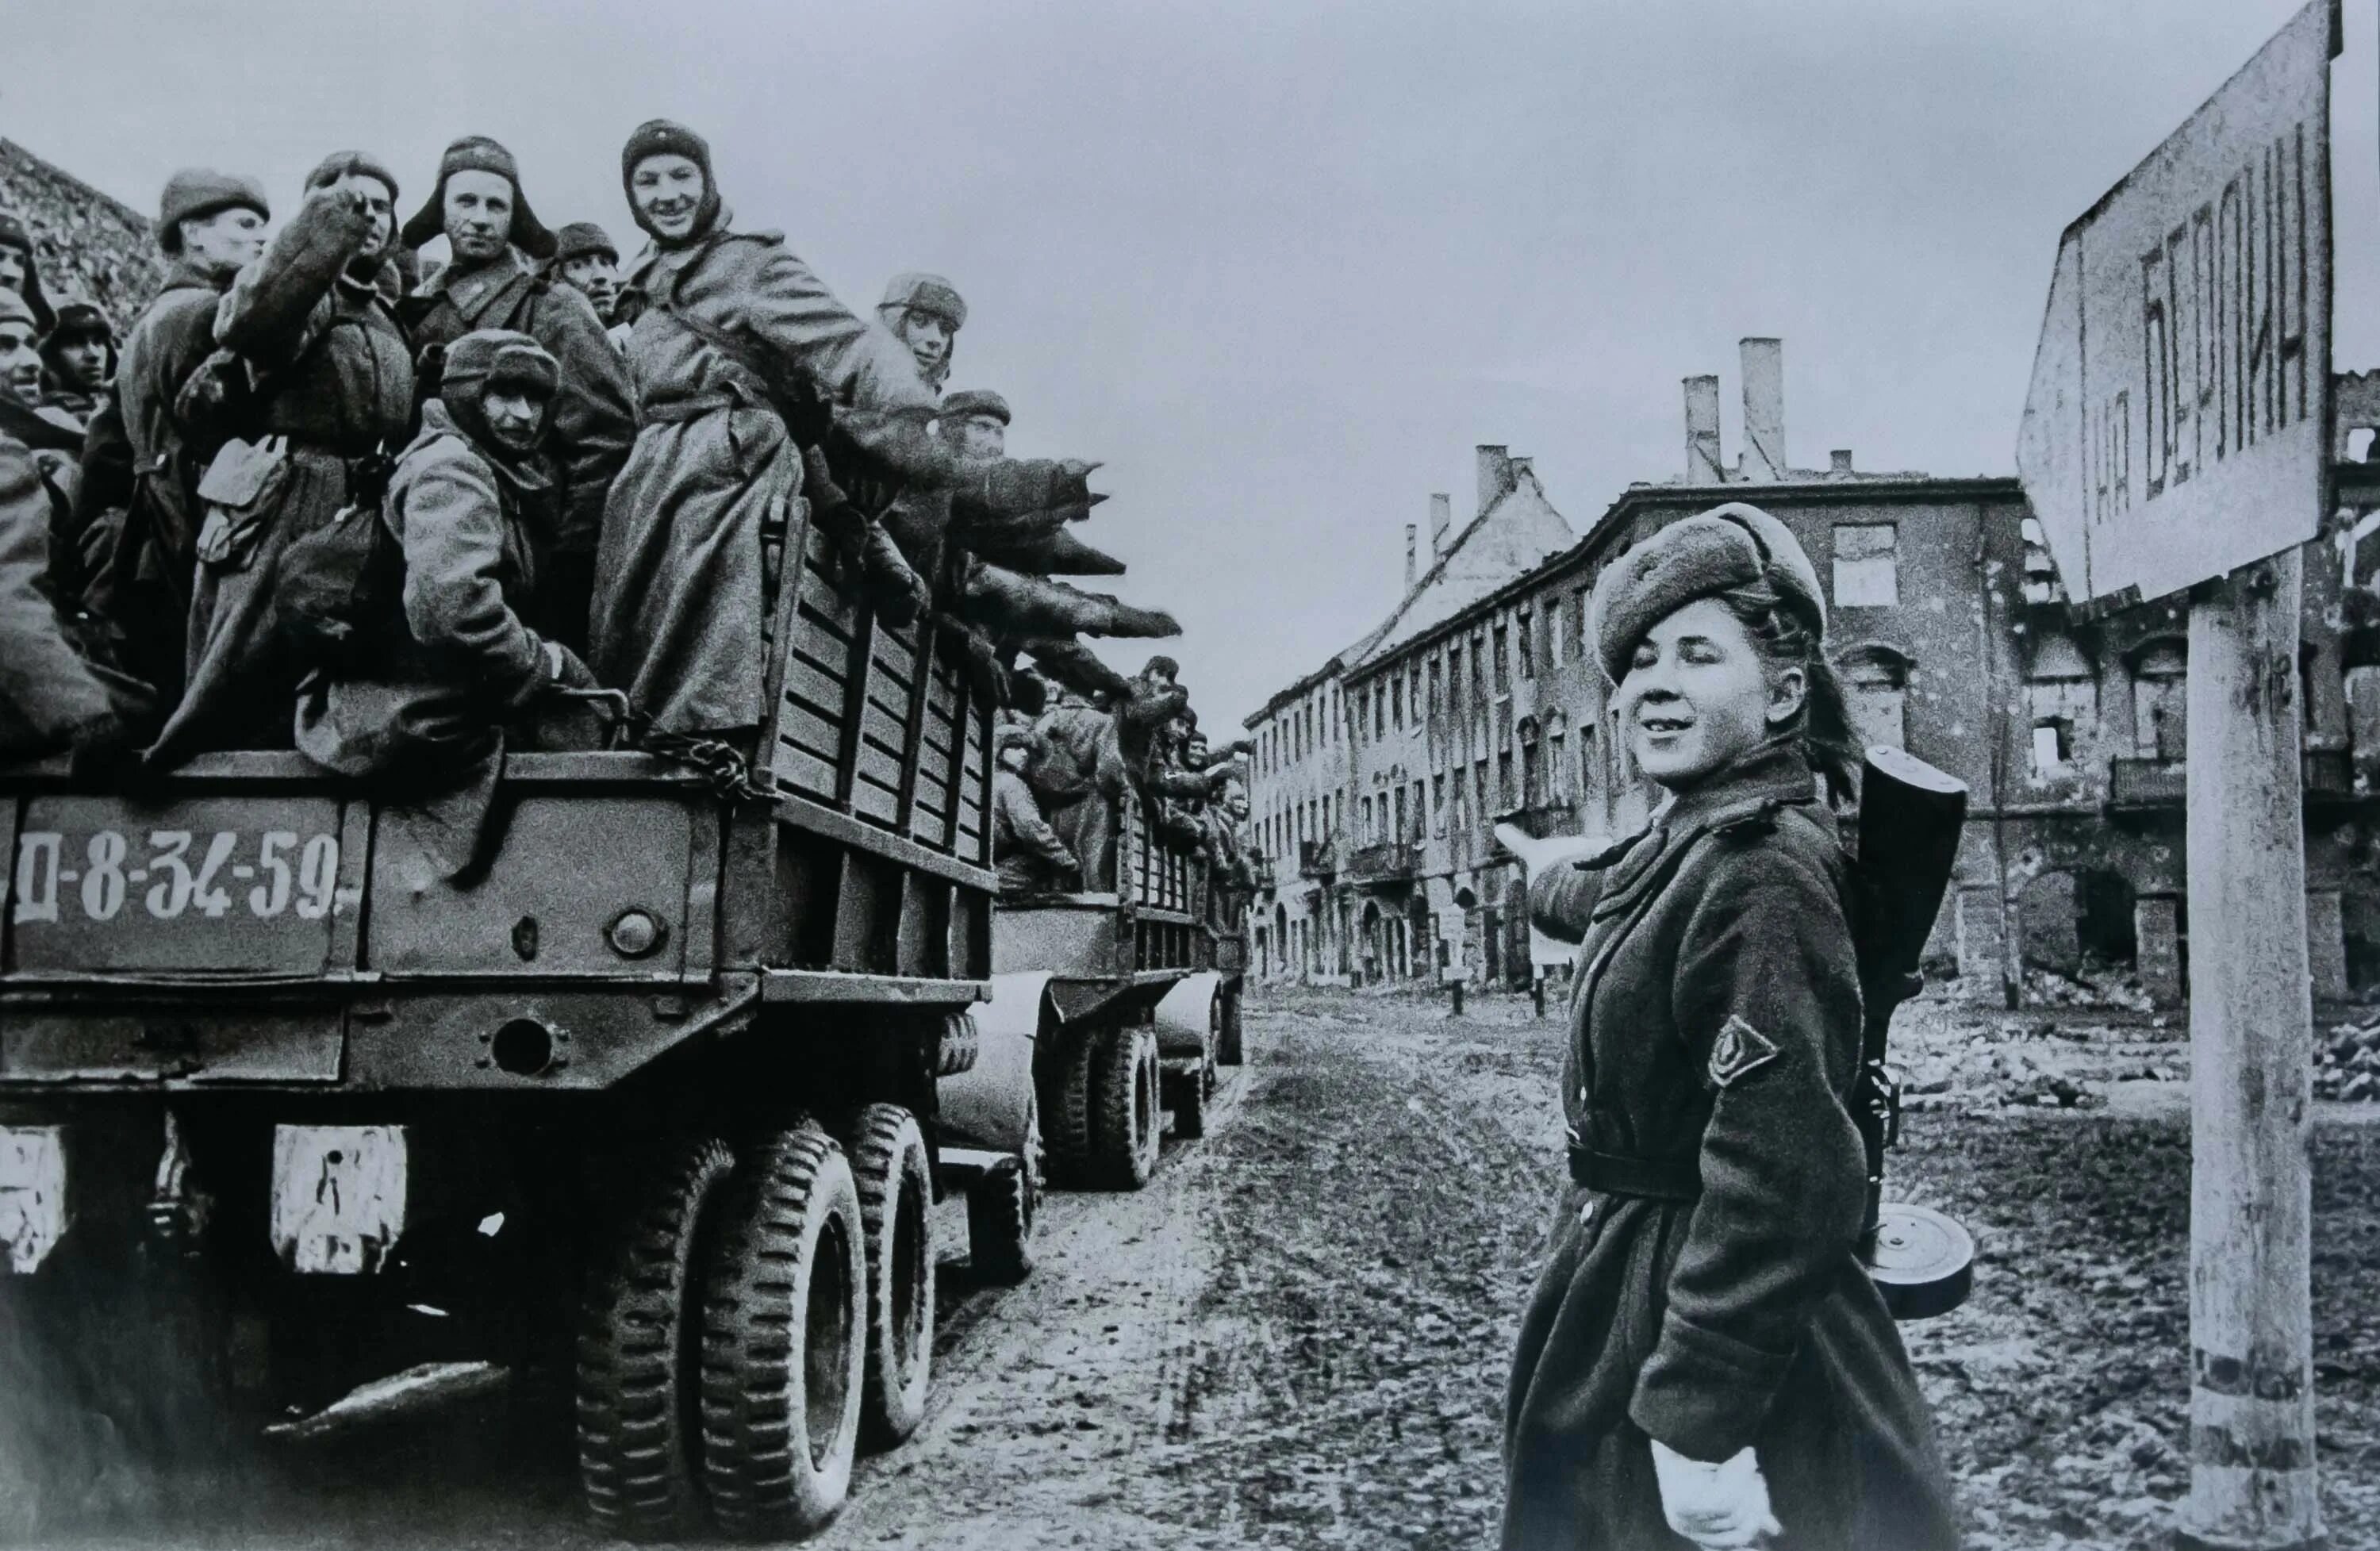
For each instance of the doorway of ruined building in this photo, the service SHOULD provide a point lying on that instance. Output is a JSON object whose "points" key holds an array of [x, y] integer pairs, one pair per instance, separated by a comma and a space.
{"points": [[2107, 924]]}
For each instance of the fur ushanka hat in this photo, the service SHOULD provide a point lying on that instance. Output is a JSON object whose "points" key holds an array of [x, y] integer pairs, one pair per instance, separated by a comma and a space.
{"points": [[1697, 557]]}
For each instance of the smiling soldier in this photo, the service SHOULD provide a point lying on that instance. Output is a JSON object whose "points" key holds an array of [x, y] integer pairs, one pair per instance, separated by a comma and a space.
{"points": [[1705, 1355], [489, 283]]}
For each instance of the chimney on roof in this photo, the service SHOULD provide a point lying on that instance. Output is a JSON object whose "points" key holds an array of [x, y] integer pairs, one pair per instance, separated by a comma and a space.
{"points": [[1839, 461], [1441, 517], [1495, 475], [1413, 541], [1521, 466], [1703, 465], [1764, 408]]}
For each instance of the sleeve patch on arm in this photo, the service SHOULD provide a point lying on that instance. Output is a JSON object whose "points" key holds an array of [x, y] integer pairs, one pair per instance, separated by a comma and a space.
{"points": [[1739, 1049]]}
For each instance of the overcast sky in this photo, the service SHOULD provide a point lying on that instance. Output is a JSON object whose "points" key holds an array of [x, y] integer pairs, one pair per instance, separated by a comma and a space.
{"points": [[1281, 265]]}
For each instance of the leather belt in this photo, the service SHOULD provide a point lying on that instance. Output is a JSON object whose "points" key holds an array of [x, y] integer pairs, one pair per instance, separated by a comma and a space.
{"points": [[695, 406], [1651, 1179]]}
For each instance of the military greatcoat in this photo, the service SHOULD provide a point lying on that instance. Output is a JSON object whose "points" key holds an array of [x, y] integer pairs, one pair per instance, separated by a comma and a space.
{"points": [[1704, 1286]]}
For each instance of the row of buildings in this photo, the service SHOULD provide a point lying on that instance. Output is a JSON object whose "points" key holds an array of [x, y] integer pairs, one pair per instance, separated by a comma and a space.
{"points": [[1378, 775]]}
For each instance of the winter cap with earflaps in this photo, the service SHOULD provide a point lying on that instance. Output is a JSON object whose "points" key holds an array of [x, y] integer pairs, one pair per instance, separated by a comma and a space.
{"points": [[663, 137], [477, 153], [351, 164], [583, 239], [194, 193], [1728, 547], [976, 401], [79, 317], [916, 292], [487, 356]]}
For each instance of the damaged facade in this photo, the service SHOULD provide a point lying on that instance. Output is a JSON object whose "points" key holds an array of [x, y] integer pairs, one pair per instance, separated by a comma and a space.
{"points": [[1954, 640]]}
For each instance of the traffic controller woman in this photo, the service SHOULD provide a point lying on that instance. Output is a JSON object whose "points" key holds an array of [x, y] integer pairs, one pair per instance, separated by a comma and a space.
{"points": [[1704, 1360]]}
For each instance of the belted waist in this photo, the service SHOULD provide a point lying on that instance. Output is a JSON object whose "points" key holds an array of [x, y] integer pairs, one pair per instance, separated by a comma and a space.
{"points": [[733, 392], [1653, 1178]]}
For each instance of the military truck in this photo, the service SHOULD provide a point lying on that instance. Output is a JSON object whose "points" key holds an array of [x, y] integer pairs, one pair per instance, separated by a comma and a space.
{"points": [[1091, 1035], [653, 1098]]}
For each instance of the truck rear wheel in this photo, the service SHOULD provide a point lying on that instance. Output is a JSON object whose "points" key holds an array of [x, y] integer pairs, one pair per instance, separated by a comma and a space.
{"points": [[784, 1340], [1128, 1119], [1227, 1047], [1192, 1089], [896, 1198], [1071, 1139], [640, 1431], [1001, 1209]]}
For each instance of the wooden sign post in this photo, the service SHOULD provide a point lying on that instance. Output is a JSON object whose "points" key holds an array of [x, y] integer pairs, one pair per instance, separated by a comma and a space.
{"points": [[2177, 435]]}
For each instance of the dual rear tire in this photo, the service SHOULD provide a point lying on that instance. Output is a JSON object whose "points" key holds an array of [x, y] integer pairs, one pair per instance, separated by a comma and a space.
{"points": [[756, 1318]]}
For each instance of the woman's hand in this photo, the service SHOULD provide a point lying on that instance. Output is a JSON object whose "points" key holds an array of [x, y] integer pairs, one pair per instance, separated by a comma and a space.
{"points": [[1536, 856], [1720, 1507]]}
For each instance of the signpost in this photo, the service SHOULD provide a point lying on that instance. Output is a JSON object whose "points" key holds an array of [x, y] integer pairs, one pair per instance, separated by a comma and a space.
{"points": [[2177, 435]]}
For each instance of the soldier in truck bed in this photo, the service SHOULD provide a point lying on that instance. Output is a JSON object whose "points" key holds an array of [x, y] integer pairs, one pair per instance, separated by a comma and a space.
{"points": [[330, 390], [54, 694], [494, 281], [1703, 1354], [454, 671], [739, 351]]}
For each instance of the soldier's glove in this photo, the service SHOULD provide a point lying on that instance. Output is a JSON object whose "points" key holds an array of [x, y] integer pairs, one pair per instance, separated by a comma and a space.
{"points": [[1720, 1507]]}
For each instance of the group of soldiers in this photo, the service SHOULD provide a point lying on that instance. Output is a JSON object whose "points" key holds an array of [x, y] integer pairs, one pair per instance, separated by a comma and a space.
{"points": [[401, 516]]}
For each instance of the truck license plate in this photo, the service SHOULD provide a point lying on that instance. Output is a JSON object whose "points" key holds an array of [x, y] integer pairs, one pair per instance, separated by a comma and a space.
{"points": [[221, 884]]}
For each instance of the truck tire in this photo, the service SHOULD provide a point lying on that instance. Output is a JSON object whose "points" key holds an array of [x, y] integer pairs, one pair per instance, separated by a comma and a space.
{"points": [[1001, 1209], [896, 1199], [1228, 1050], [1127, 1122], [784, 1339], [1070, 1141], [639, 1343], [1192, 1089]]}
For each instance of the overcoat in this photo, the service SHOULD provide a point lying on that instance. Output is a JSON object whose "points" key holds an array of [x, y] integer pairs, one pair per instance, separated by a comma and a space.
{"points": [[1704, 1286], [52, 695], [146, 593], [730, 327], [463, 676], [336, 379], [593, 415]]}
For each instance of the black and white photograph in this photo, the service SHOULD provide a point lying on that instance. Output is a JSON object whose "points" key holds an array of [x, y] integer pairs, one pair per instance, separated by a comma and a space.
{"points": [[1060, 776]]}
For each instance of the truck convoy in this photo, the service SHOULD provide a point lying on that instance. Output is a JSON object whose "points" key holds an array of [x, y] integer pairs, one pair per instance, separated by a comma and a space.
{"points": [[660, 1098]]}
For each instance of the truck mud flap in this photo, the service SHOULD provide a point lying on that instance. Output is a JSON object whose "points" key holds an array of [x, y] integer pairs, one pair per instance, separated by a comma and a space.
{"points": [[988, 1106]]}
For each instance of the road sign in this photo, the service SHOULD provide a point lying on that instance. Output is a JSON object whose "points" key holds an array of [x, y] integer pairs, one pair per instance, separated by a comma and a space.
{"points": [[2178, 424]]}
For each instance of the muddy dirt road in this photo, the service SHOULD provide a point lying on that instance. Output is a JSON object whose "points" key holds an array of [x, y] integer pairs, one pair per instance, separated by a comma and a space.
{"points": [[1296, 1337]]}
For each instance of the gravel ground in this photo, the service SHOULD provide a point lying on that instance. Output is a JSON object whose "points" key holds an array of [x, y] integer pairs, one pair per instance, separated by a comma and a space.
{"points": [[1297, 1335]]}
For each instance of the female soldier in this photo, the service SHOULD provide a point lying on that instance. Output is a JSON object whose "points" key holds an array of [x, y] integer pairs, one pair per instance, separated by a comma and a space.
{"points": [[734, 339], [1703, 1353]]}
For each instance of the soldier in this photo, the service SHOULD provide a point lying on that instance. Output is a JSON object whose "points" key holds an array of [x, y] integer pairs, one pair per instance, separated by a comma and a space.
{"points": [[454, 671], [20, 351], [21, 273], [489, 283], [52, 695], [1030, 857], [316, 375], [739, 354], [585, 260], [78, 358], [925, 313], [1705, 1353], [211, 225], [1078, 771]]}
